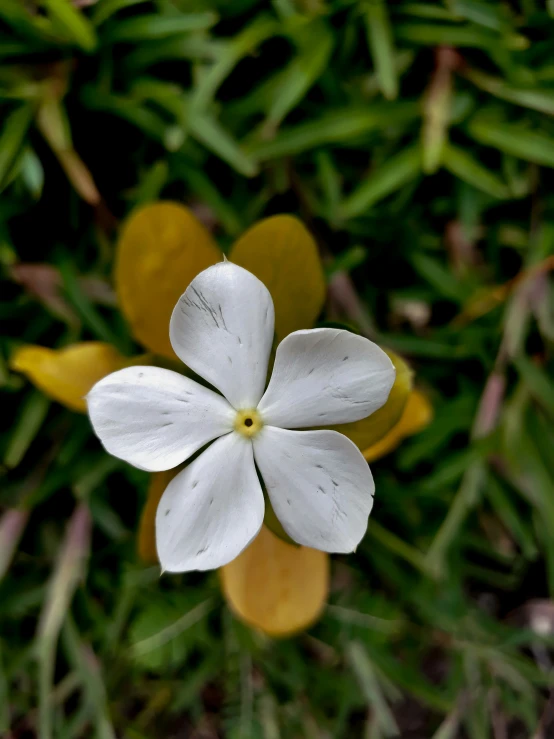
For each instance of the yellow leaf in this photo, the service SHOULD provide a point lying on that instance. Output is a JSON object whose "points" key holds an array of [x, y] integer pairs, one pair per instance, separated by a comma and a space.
{"points": [[273, 524], [417, 415], [276, 587], [66, 375], [370, 430], [283, 255], [147, 528], [160, 251]]}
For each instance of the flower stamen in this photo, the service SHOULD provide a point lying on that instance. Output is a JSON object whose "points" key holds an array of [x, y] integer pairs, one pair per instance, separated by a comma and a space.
{"points": [[248, 422]]}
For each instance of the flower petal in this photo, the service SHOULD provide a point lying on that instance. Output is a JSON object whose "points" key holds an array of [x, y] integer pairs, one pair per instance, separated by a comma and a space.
{"points": [[417, 414], [68, 374], [154, 418], [222, 328], [276, 587], [211, 510], [323, 376], [283, 254], [370, 430], [319, 485], [162, 247]]}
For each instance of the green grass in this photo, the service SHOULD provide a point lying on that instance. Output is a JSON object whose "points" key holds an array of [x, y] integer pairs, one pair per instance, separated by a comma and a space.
{"points": [[425, 173]]}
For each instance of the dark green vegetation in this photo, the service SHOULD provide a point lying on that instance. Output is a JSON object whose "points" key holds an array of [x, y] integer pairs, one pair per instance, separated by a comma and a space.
{"points": [[425, 172]]}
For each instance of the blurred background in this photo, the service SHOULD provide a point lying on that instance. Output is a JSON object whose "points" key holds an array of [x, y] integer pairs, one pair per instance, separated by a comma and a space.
{"points": [[415, 142]]}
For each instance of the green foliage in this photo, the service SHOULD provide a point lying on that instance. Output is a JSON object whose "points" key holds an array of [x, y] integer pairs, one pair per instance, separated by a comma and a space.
{"points": [[416, 141]]}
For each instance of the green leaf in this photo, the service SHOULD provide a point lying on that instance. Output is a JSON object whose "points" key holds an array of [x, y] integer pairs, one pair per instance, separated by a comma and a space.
{"points": [[441, 277], [460, 163], [389, 177], [140, 116], [72, 23], [538, 382], [165, 631], [424, 10], [15, 128], [31, 417], [536, 99], [438, 112], [494, 16], [86, 310], [229, 53], [465, 500], [152, 183], [504, 506], [148, 27], [362, 667], [344, 126], [203, 187], [511, 138], [293, 82], [105, 9], [382, 47], [208, 131], [32, 172], [469, 35]]}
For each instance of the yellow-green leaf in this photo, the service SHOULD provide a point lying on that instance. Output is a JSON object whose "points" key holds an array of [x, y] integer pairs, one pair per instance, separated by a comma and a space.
{"points": [[275, 587], [160, 251], [284, 256], [417, 414], [146, 544], [370, 430], [66, 375], [273, 524]]}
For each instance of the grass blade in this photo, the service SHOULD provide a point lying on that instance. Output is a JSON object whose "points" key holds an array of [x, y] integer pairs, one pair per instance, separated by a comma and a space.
{"points": [[391, 176], [381, 44], [68, 571]]}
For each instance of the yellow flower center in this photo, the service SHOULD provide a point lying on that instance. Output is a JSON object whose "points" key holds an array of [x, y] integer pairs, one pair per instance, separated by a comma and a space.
{"points": [[248, 422]]}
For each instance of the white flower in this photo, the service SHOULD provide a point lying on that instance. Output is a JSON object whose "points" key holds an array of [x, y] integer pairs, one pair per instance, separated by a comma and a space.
{"points": [[318, 482]]}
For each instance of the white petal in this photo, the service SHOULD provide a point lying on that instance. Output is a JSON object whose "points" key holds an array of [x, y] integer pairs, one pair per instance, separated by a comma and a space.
{"points": [[319, 485], [325, 376], [154, 418], [222, 328], [211, 510]]}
